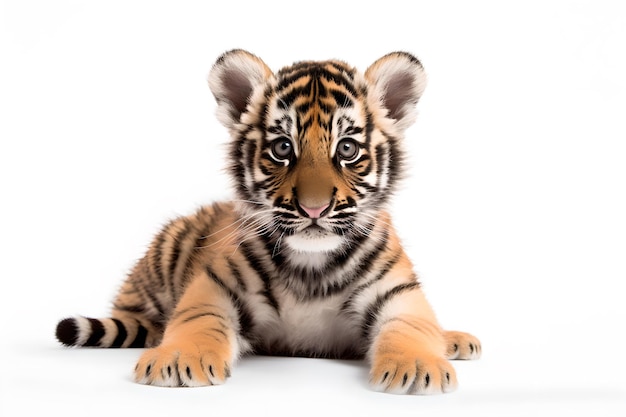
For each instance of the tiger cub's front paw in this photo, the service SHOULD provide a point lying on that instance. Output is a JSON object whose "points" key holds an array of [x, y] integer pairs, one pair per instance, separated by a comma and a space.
{"points": [[400, 373], [186, 365]]}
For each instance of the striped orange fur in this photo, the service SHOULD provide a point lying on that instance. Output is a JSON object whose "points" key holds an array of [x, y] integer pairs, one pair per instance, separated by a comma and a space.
{"points": [[305, 259]]}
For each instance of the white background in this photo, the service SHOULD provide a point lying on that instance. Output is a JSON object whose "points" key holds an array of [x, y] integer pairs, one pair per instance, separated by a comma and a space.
{"points": [[514, 211]]}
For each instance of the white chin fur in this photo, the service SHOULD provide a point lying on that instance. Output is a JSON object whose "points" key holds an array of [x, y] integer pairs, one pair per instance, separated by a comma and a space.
{"points": [[313, 241]]}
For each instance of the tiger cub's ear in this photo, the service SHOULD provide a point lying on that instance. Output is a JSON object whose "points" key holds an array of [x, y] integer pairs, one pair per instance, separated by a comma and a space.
{"points": [[232, 80], [398, 80]]}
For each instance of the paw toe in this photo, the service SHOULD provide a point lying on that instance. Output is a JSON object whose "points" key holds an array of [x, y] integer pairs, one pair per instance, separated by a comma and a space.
{"points": [[413, 376], [173, 367], [462, 346]]}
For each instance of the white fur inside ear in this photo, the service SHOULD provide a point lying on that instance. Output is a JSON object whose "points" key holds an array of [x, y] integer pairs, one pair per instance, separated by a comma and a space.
{"points": [[233, 80], [399, 81]]}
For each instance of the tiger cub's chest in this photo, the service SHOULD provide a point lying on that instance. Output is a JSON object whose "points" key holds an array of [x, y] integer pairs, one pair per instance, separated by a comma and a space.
{"points": [[314, 328]]}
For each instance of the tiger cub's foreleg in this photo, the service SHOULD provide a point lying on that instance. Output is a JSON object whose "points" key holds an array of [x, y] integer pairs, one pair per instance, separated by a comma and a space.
{"points": [[408, 349], [200, 342]]}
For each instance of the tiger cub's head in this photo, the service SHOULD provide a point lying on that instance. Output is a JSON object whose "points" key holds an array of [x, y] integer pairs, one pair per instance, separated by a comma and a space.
{"points": [[315, 149]]}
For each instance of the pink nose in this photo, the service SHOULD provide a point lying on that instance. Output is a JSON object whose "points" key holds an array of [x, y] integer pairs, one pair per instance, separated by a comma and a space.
{"points": [[314, 212]]}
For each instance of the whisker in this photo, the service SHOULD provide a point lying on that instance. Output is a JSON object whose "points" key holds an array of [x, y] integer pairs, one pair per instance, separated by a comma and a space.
{"points": [[239, 220], [248, 201], [375, 218], [277, 245], [246, 225], [250, 236]]}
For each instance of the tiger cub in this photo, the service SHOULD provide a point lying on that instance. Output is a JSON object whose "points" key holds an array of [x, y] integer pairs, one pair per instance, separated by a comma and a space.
{"points": [[305, 261]]}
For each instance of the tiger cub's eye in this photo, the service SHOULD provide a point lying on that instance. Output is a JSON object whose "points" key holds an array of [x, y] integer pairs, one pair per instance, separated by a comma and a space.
{"points": [[347, 149], [282, 148]]}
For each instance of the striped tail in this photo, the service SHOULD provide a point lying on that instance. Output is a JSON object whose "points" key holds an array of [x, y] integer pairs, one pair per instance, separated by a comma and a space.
{"points": [[105, 333]]}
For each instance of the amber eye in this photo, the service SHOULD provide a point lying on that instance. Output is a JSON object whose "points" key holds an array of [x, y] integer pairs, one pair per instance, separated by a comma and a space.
{"points": [[282, 148], [347, 149]]}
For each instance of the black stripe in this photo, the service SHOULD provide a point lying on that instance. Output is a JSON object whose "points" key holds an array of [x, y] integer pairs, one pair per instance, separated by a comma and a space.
{"points": [[256, 264], [421, 329], [270, 241], [318, 88], [200, 315], [269, 185], [204, 233], [342, 257], [366, 263], [131, 290], [121, 334], [315, 70], [380, 275], [176, 252], [342, 68], [286, 100], [209, 332], [138, 308], [235, 271], [286, 215], [157, 256], [369, 125], [395, 159], [237, 168], [304, 107], [381, 157], [342, 82], [365, 168], [219, 281], [304, 125], [97, 331], [279, 202], [371, 312], [326, 109], [370, 188], [342, 216], [350, 202], [147, 291], [140, 339], [286, 79], [311, 283], [249, 153], [200, 235], [353, 130], [341, 99], [266, 156], [196, 307], [245, 318]]}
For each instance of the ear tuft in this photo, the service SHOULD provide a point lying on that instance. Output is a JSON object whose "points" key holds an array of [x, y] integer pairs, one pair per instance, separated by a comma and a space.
{"points": [[233, 79], [398, 80]]}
